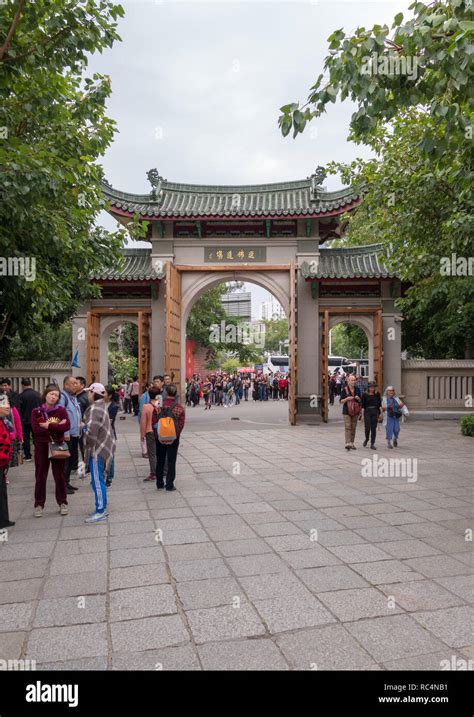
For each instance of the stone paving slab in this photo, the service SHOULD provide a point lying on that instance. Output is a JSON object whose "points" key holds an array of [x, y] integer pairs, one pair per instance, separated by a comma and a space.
{"points": [[298, 562], [326, 648], [260, 654]]}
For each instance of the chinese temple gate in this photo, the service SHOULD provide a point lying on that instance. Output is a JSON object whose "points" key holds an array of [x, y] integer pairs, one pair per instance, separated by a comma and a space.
{"points": [[274, 235]]}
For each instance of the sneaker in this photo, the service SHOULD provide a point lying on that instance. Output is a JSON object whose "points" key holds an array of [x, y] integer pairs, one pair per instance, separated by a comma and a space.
{"points": [[28, 460], [149, 478], [38, 511], [365, 442], [395, 442], [160, 485], [63, 509], [108, 483], [170, 488], [373, 447], [353, 447], [96, 517], [70, 490], [348, 446], [389, 444]]}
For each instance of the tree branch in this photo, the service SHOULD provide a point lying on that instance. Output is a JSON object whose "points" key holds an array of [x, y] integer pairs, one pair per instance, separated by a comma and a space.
{"points": [[4, 326], [45, 41], [12, 29]]}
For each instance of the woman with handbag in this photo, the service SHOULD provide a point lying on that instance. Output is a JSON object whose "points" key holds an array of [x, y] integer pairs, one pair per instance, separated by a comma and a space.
{"points": [[393, 408], [371, 409], [351, 407], [49, 423]]}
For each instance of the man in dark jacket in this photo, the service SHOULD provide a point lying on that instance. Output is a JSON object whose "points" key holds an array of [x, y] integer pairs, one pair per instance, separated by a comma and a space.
{"points": [[29, 399], [169, 451], [13, 396], [82, 397]]}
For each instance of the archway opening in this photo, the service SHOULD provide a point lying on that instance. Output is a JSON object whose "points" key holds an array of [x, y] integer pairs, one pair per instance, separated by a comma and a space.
{"points": [[122, 353], [236, 344], [350, 352]]}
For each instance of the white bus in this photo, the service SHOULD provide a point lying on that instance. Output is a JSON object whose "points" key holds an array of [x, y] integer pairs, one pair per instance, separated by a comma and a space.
{"points": [[275, 363]]}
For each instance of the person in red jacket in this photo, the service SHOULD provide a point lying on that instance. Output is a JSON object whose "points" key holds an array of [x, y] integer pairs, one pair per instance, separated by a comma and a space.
{"points": [[5, 455], [49, 423]]}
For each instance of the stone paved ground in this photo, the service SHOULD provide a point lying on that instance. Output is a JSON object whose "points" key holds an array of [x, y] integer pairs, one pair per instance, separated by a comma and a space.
{"points": [[239, 580]]}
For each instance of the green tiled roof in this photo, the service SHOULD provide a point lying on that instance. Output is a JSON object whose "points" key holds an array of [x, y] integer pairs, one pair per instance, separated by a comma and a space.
{"points": [[363, 262], [283, 199], [136, 266]]}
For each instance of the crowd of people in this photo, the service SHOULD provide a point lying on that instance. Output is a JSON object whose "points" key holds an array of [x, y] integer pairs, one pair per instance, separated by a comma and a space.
{"points": [[338, 379], [72, 431], [227, 389]]}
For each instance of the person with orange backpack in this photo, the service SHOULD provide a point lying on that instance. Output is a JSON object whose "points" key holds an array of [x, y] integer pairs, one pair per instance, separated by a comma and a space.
{"points": [[168, 423]]}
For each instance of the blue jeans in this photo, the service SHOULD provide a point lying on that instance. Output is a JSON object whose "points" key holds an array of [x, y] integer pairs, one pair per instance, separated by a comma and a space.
{"points": [[262, 392], [96, 467], [392, 428]]}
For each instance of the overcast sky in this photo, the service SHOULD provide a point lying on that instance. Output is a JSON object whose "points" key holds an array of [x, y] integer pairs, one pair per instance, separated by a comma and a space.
{"points": [[197, 87]]}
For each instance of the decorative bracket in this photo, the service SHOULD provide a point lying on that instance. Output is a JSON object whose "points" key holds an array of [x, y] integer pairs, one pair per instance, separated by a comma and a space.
{"points": [[161, 229]]}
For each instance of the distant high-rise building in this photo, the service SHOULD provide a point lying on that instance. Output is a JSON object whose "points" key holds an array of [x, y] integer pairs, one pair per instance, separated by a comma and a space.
{"points": [[238, 303], [271, 309]]}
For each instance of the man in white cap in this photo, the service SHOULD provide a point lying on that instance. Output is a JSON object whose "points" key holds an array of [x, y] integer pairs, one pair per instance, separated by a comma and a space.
{"points": [[99, 448]]}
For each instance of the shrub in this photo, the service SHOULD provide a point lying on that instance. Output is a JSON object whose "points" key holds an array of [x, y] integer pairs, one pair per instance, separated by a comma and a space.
{"points": [[467, 425]]}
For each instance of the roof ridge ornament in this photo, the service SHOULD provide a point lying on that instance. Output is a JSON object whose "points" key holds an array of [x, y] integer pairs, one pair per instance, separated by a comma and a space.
{"points": [[317, 178], [156, 181]]}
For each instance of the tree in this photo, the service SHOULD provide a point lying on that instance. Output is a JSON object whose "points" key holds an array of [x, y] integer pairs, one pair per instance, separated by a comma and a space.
{"points": [[124, 340], [45, 343], [53, 130], [231, 365], [414, 110], [207, 310], [123, 367], [276, 333], [349, 341], [423, 222]]}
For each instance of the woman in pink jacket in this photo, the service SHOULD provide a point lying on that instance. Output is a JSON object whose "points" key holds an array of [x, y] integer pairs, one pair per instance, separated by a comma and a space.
{"points": [[13, 424]]}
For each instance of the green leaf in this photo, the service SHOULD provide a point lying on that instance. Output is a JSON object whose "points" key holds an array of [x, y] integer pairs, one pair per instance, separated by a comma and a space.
{"points": [[286, 109], [398, 19]]}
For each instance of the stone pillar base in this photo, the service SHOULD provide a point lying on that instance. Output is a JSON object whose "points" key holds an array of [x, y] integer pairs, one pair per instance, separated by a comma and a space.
{"points": [[305, 412]]}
